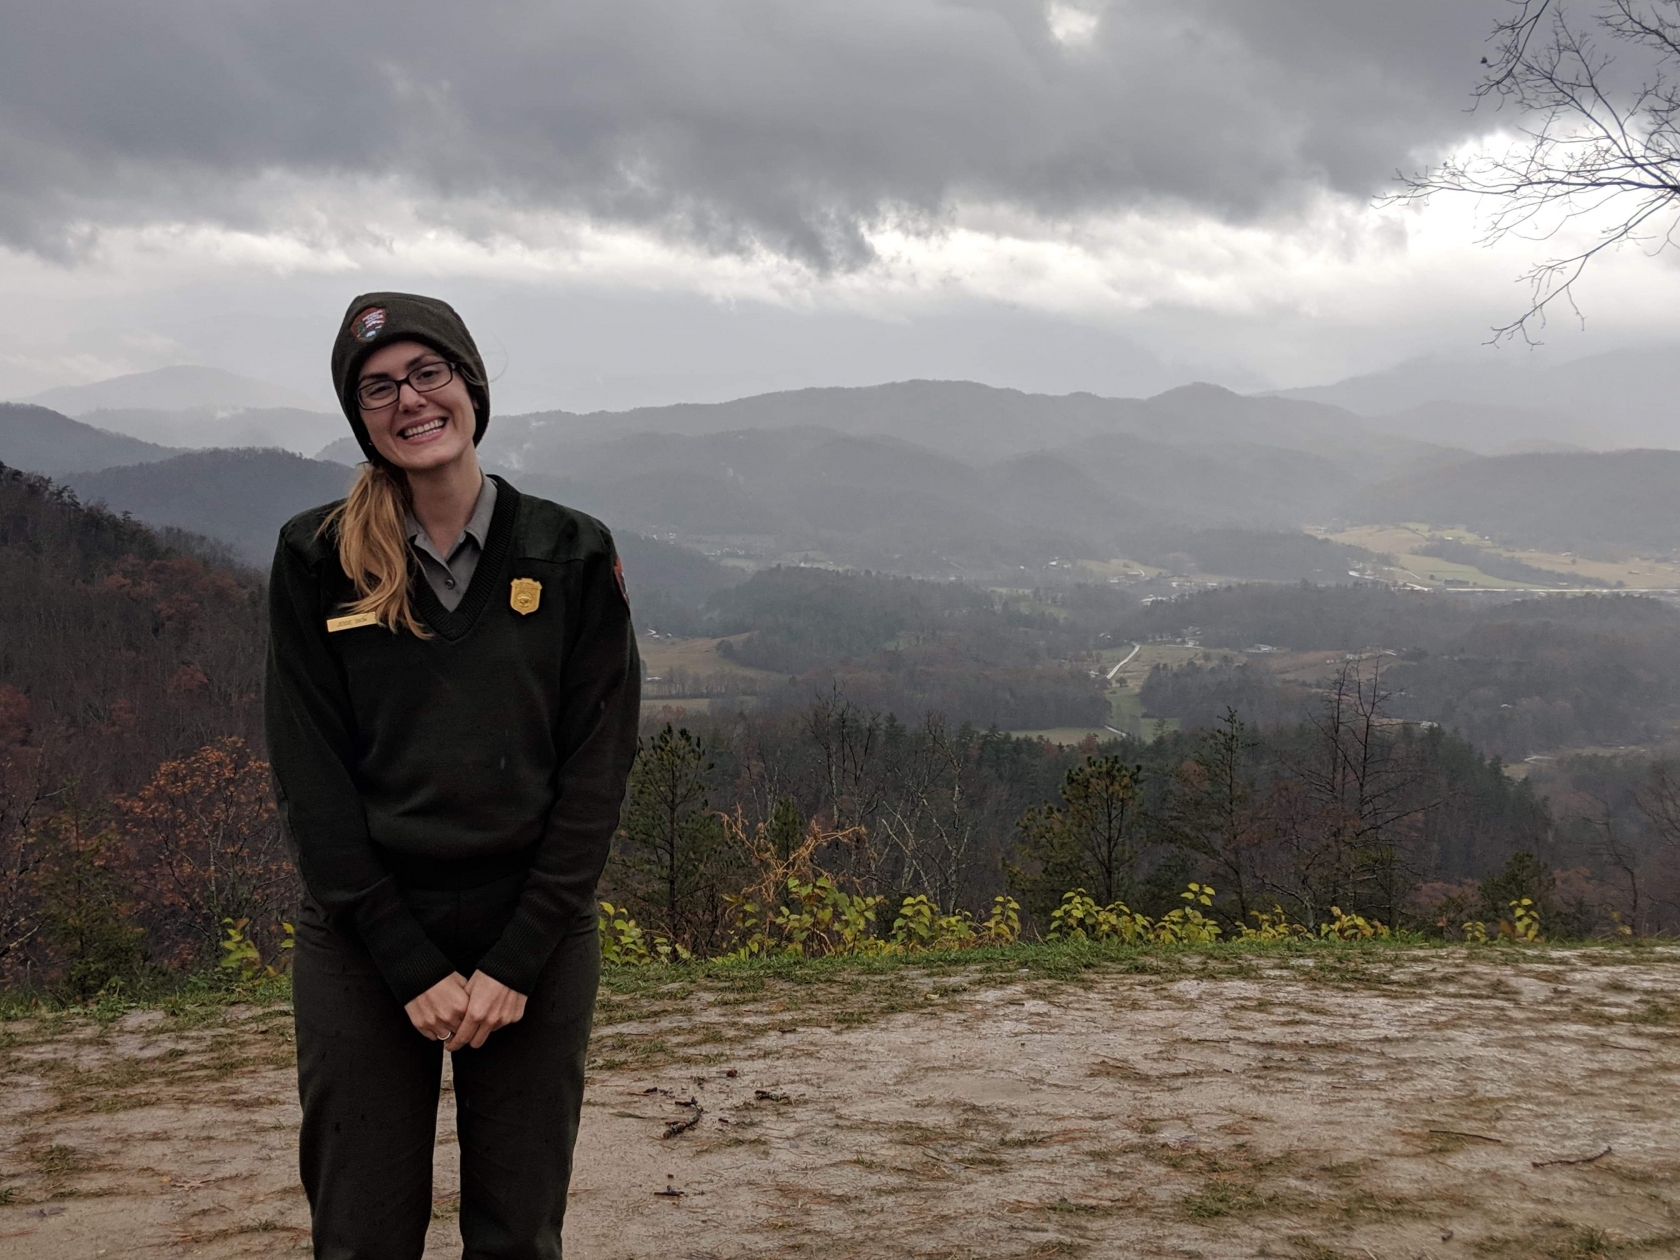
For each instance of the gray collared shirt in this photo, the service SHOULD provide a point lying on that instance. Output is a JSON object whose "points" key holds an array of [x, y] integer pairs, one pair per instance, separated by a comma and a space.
{"points": [[449, 575]]}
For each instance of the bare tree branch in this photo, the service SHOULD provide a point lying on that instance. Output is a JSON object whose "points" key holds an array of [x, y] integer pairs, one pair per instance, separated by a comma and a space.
{"points": [[1589, 144]]}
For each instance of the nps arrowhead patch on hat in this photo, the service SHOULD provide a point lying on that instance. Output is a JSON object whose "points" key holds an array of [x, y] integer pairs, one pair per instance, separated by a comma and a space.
{"points": [[366, 325]]}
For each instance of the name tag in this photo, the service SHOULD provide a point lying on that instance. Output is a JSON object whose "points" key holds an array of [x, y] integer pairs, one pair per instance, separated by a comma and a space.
{"points": [[352, 622]]}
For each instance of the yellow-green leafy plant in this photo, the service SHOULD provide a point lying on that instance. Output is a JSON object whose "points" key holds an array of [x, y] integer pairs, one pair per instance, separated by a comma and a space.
{"points": [[625, 942], [793, 906], [821, 918], [817, 918], [1475, 931], [622, 938], [919, 925], [1187, 925], [240, 952], [1003, 924], [1350, 927], [1080, 918], [1525, 920], [1274, 925]]}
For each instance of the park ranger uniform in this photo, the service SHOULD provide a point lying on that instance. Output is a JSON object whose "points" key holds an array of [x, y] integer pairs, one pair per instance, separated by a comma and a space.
{"points": [[450, 801]]}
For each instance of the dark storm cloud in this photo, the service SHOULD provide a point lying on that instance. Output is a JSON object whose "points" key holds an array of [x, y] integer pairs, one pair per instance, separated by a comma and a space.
{"points": [[736, 123]]}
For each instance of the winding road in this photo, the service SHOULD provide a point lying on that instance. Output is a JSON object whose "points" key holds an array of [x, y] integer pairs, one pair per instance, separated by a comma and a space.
{"points": [[1136, 648]]}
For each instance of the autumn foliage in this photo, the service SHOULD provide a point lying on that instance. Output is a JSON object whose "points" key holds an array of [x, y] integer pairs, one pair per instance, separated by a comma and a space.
{"points": [[202, 845], [134, 801]]}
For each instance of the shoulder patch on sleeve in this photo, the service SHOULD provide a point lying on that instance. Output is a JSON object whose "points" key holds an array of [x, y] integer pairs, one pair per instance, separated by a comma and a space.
{"points": [[618, 576]]}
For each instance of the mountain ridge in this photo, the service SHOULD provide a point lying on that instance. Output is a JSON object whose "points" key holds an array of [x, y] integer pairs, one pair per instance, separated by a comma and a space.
{"points": [[1617, 399], [177, 387], [1611, 502], [40, 440]]}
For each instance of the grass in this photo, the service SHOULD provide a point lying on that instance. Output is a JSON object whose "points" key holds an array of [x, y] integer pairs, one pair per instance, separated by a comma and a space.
{"points": [[1557, 1241], [693, 1013], [58, 1160], [888, 983], [189, 1000], [1224, 1198], [1336, 962]]}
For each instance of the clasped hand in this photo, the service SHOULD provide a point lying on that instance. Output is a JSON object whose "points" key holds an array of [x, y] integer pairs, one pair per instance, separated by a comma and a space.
{"points": [[465, 1012]]}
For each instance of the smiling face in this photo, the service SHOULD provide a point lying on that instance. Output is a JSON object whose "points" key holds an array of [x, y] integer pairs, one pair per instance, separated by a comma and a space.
{"points": [[418, 432]]}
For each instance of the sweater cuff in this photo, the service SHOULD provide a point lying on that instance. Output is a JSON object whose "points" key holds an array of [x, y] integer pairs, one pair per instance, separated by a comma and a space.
{"points": [[416, 971], [406, 957], [517, 959]]}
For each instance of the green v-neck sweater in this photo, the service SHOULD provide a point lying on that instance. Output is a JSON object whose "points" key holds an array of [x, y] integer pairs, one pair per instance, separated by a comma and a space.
{"points": [[502, 742]]}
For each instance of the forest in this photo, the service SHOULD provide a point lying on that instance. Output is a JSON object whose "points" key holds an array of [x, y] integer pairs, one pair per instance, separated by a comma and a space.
{"points": [[1341, 807], [1516, 677], [138, 836]]}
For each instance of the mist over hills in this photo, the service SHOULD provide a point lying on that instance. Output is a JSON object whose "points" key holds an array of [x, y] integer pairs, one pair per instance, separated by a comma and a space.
{"points": [[39, 440], [200, 428], [173, 389], [922, 477], [799, 494], [239, 497], [980, 424], [1624, 398], [1493, 430], [873, 502], [1610, 501]]}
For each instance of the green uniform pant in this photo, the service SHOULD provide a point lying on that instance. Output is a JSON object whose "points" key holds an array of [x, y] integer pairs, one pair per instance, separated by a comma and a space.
{"points": [[370, 1086]]}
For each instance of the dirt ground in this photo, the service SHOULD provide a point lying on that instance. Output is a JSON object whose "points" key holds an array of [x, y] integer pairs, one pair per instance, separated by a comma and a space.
{"points": [[1493, 1102]]}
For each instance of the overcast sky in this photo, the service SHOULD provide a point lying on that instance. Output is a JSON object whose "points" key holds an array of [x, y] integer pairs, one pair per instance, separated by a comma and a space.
{"points": [[639, 201]]}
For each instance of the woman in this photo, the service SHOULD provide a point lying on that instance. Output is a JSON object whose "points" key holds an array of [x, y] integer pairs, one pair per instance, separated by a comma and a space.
{"points": [[452, 702]]}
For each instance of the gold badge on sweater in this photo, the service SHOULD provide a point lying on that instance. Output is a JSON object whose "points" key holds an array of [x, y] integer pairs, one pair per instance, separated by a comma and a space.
{"points": [[525, 596]]}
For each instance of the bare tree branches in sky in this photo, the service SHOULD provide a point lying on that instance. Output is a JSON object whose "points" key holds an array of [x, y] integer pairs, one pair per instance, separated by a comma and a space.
{"points": [[1597, 141]]}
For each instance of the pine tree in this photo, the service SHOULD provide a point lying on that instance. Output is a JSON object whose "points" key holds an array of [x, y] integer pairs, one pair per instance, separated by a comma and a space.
{"points": [[83, 911], [1091, 841], [672, 863], [1213, 813]]}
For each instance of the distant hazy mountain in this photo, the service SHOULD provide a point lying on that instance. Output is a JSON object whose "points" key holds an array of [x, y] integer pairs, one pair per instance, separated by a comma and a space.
{"points": [[920, 477], [874, 502], [1235, 483], [980, 425], [199, 428], [1621, 399], [1587, 501], [239, 497], [1490, 430], [931, 476], [1211, 416], [342, 450], [38, 440], [173, 389]]}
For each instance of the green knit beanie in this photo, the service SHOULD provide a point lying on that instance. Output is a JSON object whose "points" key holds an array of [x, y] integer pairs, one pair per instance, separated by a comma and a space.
{"points": [[377, 319]]}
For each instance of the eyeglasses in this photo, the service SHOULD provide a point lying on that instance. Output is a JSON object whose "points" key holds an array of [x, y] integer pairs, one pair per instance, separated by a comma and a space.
{"points": [[382, 391]]}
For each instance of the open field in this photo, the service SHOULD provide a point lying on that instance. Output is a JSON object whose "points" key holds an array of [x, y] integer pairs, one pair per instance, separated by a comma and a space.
{"points": [[1125, 705], [697, 656], [1117, 569], [1136, 671], [1308, 1102], [1402, 542]]}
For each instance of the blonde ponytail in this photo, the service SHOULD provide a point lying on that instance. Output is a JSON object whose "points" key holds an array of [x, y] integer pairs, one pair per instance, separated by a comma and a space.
{"points": [[373, 546]]}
